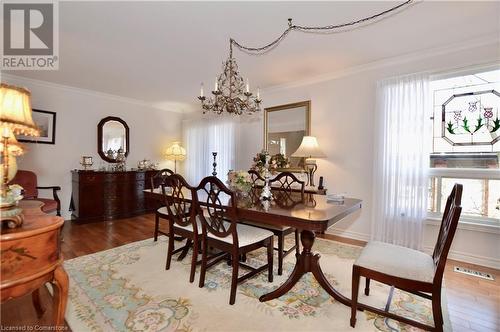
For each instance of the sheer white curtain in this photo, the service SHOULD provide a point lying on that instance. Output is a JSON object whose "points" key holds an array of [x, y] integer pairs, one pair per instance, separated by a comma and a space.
{"points": [[403, 133], [201, 138]]}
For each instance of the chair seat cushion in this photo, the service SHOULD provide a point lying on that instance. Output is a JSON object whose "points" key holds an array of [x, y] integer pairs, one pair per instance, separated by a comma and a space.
{"points": [[397, 261], [189, 227], [164, 213], [246, 235], [265, 226], [49, 205]]}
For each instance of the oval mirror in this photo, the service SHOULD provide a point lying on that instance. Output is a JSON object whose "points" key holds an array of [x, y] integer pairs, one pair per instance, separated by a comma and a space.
{"points": [[112, 135]]}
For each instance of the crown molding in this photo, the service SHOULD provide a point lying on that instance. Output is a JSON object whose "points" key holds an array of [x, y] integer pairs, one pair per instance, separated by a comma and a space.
{"points": [[387, 62], [46, 84]]}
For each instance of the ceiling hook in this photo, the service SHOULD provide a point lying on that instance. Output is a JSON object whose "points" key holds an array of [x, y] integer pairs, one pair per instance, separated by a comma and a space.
{"points": [[290, 22]]}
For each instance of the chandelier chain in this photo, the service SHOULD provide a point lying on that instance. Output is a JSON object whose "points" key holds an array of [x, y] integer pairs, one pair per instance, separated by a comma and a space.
{"points": [[302, 28]]}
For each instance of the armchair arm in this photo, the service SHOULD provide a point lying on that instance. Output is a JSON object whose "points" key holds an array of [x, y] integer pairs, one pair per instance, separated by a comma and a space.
{"points": [[54, 193], [49, 187]]}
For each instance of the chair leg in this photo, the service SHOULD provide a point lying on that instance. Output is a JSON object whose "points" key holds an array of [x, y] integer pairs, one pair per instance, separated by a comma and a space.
{"points": [[194, 259], [436, 310], [234, 279], [203, 262], [367, 286], [281, 239], [270, 254], [157, 224], [297, 243], [170, 248], [354, 296], [35, 297]]}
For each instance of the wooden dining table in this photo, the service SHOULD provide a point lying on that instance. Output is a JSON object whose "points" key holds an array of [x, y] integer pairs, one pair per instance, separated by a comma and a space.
{"points": [[309, 213]]}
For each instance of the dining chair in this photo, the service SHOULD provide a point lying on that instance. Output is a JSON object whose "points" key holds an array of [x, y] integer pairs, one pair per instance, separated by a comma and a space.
{"points": [[407, 269], [285, 184], [215, 207], [157, 181], [182, 219]]}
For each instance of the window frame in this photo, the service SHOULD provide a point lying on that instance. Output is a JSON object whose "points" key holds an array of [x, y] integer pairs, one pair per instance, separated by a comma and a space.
{"points": [[463, 173]]}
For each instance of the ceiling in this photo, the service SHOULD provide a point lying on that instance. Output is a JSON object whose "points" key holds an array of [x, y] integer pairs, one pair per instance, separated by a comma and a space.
{"points": [[159, 52]]}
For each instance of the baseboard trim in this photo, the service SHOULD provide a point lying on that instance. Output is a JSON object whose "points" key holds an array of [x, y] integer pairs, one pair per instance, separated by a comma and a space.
{"points": [[461, 256], [349, 234], [491, 262]]}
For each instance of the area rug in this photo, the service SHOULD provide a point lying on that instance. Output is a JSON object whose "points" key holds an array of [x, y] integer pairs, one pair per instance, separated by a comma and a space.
{"points": [[128, 289]]}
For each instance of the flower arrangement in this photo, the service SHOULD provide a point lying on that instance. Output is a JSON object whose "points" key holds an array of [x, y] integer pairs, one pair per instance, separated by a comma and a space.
{"points": [[239, 181], [14, 193], [277, 161]]}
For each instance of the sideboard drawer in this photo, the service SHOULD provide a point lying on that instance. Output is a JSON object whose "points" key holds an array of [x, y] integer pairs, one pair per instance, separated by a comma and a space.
{"points": [[109, 195]]}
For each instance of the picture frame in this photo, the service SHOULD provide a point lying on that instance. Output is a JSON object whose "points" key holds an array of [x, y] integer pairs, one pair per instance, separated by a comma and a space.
{"points": [[46, 122]]}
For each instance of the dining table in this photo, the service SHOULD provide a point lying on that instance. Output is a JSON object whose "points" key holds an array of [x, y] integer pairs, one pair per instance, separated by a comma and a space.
{"points": [[309, 213]]}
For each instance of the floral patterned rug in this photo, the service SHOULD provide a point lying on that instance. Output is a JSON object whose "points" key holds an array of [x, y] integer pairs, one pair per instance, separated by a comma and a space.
{"points": [[128, 289]]}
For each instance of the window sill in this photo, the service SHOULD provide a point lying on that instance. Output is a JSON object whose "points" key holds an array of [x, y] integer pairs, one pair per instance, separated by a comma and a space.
{"points": [[469, 225]]}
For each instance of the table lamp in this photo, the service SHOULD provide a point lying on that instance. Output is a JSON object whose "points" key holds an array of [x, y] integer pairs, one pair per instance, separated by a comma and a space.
{"points": [[175, 152], [309, 149], [15, 118]]}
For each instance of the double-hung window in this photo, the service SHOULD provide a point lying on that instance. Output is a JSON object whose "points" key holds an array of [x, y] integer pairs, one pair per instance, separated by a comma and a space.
{"points": [[466, 145]]}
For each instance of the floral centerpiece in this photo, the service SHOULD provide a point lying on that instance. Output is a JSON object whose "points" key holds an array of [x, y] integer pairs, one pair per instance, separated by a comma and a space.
{"points": [[239, 181], [277, 161]]}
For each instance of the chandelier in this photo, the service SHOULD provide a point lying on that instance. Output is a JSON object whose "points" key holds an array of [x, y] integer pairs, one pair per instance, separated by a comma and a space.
{"points": [[230, 93], [233, 96]]}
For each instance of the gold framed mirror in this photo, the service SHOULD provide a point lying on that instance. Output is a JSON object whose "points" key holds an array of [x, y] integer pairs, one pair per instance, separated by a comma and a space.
{"points": [[284, 127]]}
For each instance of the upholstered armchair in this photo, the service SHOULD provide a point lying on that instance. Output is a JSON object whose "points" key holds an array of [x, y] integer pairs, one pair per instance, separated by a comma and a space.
{"points": [[28, 180]]}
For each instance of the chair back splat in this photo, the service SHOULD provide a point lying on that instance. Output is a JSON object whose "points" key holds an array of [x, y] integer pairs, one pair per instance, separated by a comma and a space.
{"points": [[447, 230], [159, 178], [287, 181], [256, 179], [179, 207], [216, 209]]}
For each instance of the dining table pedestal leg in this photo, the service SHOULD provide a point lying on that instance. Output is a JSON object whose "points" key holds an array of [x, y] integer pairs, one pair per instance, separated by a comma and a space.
{"points": [[306, 262]]}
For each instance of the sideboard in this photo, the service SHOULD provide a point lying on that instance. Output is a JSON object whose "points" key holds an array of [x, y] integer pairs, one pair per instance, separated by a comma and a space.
{"points": [[109, 195]]}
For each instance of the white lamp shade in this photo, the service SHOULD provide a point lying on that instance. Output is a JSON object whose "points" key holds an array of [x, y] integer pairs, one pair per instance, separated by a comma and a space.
{"points": [[15, 110], [309, 148], [175, 152]]}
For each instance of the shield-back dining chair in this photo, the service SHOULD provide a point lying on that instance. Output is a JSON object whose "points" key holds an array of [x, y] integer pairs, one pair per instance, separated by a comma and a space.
{"points": [[409, 270], [283, 185], [182, 219], [215, 207], [157, 181]]}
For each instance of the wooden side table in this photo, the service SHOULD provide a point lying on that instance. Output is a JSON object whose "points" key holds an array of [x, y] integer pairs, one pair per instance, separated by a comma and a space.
{"points": [[31, 256]]}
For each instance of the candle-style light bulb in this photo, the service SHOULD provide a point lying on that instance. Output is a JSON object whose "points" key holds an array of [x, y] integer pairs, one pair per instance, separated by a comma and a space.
{"points": [[248, 86], [201, 90], [258, 93], [216, 85]]}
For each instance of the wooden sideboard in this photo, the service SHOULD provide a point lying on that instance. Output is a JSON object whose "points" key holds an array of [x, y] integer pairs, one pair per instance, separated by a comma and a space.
{"points": [[109, 195], [31, 256]]}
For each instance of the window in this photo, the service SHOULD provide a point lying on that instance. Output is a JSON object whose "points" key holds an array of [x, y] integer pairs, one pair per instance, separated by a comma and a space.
{"points": [[466, 144], [201, 138]]}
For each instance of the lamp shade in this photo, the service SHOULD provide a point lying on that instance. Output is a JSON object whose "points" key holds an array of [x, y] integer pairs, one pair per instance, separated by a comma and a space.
{"points": [[309, 148], [175, 152], [15, 110]]}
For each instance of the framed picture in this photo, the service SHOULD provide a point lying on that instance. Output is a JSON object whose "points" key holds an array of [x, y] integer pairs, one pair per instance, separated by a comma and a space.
{"points": [[46, 122]]}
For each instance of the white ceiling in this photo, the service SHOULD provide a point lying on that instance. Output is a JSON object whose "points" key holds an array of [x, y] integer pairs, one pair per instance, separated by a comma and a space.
{"points": [[159, 52]]}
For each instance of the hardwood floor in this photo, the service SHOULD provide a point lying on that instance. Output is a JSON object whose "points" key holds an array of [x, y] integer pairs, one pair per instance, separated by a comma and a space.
{"points": [[473, 303]]}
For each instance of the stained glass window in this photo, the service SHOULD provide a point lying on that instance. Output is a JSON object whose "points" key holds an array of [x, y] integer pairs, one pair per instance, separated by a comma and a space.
{"points": [[466, 144]]}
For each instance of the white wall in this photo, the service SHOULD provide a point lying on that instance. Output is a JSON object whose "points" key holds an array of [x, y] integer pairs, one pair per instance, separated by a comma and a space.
{"points": [[78, 113], [342, 119]]}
